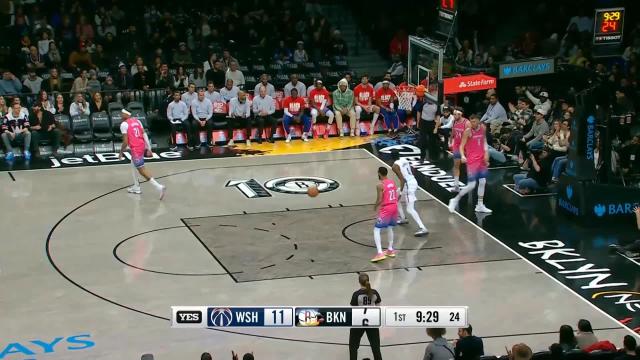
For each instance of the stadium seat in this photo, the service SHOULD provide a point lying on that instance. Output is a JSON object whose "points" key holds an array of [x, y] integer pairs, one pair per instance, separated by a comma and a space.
{"points": [[275, 68], [309, 66], [135, 106], [63, 120], [541, 355], [292, 68], [81, 128], [602, 355], [101, 124], [116, 116], [219, 121]]}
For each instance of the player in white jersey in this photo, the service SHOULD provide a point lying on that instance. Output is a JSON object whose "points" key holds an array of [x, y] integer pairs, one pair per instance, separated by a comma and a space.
{"points": [[408, 186]]}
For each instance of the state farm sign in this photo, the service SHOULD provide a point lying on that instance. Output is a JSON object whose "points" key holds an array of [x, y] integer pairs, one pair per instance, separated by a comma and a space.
{"points": [[468, 83]]}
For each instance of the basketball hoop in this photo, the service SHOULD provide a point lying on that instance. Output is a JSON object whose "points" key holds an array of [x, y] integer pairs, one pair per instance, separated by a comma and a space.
{"points": [[406, 93]]}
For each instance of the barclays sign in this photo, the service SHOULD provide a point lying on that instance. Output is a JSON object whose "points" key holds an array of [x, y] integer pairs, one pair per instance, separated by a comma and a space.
{"points": [[535, 66]]}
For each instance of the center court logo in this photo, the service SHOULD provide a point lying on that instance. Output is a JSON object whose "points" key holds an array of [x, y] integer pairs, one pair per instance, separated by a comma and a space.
{"points": [[300, 184]]}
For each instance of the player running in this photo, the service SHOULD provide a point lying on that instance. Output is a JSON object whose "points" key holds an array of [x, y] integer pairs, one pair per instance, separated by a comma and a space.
{"points": [[134, 137], [408, 186], [387, 208], [460, 124], [474, 151]]}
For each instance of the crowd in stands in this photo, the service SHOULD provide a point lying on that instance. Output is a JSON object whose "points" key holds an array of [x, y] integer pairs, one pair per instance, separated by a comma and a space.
{"points": [[571, 344], [75, 58]]}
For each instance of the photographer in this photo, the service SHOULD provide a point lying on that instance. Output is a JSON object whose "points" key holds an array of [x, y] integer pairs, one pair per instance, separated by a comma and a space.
{"points": [[538, 176]]}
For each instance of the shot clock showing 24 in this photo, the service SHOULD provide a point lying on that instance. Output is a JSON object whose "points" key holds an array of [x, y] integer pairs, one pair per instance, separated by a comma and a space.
{"points": [[608, 26]]}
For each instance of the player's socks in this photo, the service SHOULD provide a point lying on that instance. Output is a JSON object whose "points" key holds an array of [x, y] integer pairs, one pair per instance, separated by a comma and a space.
{"points": [[390, 247], [414, 214], [403, 218], [156, 184], [376, 238]]}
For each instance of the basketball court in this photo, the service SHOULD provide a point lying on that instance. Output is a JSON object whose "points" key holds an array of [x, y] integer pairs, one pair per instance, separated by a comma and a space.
{"points": [[81, 256]]}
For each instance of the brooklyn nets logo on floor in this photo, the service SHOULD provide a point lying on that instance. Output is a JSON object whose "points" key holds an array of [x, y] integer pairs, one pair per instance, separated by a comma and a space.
{"points": [[300, 184], [252, 189]]}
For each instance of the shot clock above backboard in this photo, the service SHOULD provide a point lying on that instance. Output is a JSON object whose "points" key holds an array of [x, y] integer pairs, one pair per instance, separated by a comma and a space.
{"points": [[608, 26]]}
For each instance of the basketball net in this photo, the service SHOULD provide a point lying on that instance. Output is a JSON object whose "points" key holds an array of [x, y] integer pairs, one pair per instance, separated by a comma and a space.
{"points": [[405, 96]]}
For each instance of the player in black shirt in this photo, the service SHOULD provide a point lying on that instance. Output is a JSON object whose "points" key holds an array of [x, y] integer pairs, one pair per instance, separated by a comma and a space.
{"points": [[365, 296]]}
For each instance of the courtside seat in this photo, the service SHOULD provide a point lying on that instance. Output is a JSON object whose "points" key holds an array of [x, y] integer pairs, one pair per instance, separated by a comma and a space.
{"points": [[101, 124], [135, 106], [81, 128], [114, 109], [63, 120], [219, 120]]}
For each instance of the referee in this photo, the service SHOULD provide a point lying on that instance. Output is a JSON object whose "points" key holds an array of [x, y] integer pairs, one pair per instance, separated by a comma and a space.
{"points": [[429, 116], [365, 296]]}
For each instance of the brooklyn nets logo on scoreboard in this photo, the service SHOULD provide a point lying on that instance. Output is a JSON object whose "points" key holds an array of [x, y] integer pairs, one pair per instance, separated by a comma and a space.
{"points": [[300, 184]]}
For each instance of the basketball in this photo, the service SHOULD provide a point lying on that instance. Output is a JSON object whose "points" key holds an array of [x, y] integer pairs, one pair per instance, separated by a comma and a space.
{"points": [[313, 191]]}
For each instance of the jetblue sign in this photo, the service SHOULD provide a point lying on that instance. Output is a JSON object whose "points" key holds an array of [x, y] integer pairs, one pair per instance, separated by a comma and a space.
{"points": [[535, 66]]}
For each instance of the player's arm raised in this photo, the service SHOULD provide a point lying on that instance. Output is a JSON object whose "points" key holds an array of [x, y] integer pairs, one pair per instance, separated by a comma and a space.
{"points": [[466, 135]]}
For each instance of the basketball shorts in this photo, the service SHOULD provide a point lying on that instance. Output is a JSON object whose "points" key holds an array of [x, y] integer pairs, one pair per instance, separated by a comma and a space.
{"points": [[387, 216], [456, 154], [137, 159], [409, 190], [477, 170]]}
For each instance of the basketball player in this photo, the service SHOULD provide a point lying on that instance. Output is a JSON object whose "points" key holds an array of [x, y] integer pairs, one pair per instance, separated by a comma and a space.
{"points": [[408, 187], [387, 208], [460, 124], [365, 296], [474, 151], [134, 137]]}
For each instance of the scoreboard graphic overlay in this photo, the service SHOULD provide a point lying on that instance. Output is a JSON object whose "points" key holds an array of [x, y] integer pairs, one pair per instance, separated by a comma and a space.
{"points": [[318, 316]]}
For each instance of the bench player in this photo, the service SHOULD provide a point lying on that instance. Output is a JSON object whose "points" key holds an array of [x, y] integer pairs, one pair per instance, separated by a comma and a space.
{"points": [[408, 187], [474, 151], [387, 213], [134, 137]]}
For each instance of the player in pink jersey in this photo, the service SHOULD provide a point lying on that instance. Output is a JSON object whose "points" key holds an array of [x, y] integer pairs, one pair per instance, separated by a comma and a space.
{"points": [[387, 208], [475, 152], [460, 124], [135, 138]]}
